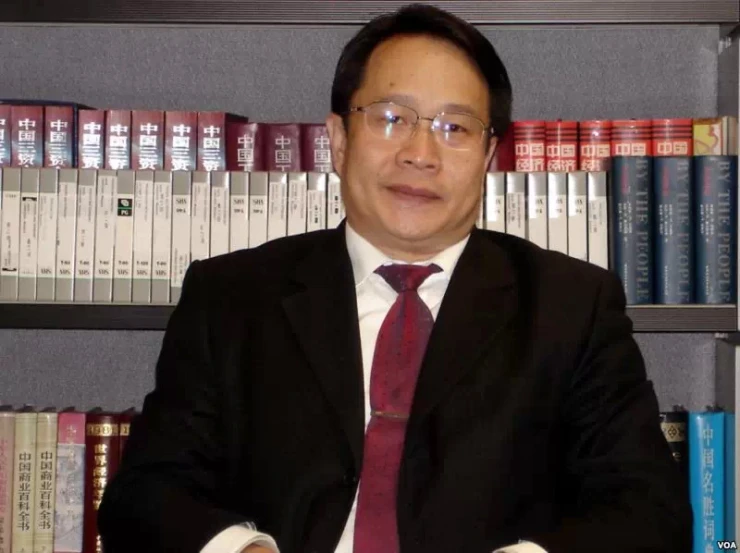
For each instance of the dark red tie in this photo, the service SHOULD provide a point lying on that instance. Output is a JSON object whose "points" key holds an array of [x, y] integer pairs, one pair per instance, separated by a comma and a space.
{"points": [[399, 350]]}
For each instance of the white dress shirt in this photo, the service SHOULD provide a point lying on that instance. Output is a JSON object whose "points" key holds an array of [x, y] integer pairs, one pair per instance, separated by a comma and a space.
{"points": [[374, 299]]}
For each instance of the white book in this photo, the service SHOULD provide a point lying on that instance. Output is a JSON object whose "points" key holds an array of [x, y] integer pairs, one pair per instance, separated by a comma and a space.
{"points": [[316, 201], [220, 209], [200, 215], [258, 186], [277, 205], [239, 216], [598, 219], [161, 237], [105, 235], [297, 207], [24, 481], [577, 217], [10, 236], [65, 233], [557, 211], [141, 291], [480, 221], [46, 464], [516, 215], [334, 207], [537, 208], [495, 218], [123, 249], [87, 204], [29, 234], [181, 228], [46, 264]]}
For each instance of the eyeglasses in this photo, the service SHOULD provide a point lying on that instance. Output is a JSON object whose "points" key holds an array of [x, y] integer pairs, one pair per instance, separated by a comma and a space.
{"points": [[459, 131]]}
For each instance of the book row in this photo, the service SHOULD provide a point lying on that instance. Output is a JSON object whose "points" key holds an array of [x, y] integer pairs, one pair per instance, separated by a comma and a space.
{"points": [[68, 135], [55, 465], [703, 445]]}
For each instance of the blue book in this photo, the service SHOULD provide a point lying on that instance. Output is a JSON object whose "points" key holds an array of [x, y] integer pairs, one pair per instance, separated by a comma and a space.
{"points": [[731, 480], [631, 217], [715, 220], [674, 230], [706, 433]]}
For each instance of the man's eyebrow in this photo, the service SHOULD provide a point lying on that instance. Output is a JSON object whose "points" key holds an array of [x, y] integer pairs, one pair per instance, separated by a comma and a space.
{"points": [[408, 100]]}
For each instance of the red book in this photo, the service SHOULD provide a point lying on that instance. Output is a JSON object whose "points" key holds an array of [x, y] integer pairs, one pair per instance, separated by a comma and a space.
{"points": [[180, 140], [118, 139], [561, 139], [91, 138], [102, 455], [283, 147], [632, 137], [315, 149], [211, 141], [673, 137], [58, 136], [529, 145], [147, 140], [504, 158], [27, 128], [245, 146], [594, 139], [4, 135]]}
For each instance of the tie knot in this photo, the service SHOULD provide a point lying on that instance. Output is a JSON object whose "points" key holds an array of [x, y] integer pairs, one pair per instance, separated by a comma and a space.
{"points": [[406, 277]]}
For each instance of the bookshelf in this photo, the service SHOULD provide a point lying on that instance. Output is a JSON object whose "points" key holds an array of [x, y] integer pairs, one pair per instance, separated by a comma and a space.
{"points": [[274, 61]]}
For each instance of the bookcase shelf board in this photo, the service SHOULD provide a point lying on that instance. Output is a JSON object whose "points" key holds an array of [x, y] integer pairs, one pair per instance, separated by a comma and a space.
{"points": [[82, 316], [360, 11]]}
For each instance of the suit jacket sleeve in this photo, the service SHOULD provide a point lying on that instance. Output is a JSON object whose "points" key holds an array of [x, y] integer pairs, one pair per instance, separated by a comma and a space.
{"points": [[164, 496], [626, 492]]}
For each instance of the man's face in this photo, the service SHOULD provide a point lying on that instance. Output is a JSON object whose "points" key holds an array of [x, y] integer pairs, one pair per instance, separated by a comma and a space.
{"points": [[414, 197]]}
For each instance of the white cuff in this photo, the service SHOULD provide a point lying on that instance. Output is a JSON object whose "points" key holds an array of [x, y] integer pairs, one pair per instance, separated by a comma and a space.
{"points": [[235, 538], [521, 547]]}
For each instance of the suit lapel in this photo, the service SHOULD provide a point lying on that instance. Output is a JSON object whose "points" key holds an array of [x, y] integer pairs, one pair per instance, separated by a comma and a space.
{"points": [[323, 314], [480, 301]]}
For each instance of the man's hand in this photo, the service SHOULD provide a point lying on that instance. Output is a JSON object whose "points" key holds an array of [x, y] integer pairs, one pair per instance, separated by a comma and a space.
{"points": [[257, 549]]}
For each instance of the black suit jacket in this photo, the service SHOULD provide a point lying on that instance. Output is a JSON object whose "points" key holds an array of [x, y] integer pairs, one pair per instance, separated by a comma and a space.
{"points": [[532, 419]]}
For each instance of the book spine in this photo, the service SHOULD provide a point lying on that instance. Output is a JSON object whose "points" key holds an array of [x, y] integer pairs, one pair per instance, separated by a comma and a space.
{"points": [[27, 147], [220, 194], [577, 217], [102, 455], [123, 245], [561, 139], [297, 207], [316, 202], [732, 496], [59, 123], [11, 231], [5, 136], [200, 234], [180, 140], [161, 244], [147, 137], [143, 238], [47, 234], [7, 456], [239, 216], [87, 194], [24, 482], [529, 145], [46, 461], [91, 145], [673, 424], [211, 152], [181, 229], [29, 234], [105, 235], [598, 219], [277, 205], [536, 199], [315, 149], [66, 230], [117, 139], [258, 186], [715, 217], [334, 205], [495, 198], [516, 204], [70, 483], [283, 143], [674, 235], [632, 226], [245, 146], [706, 478], [557, 211]]}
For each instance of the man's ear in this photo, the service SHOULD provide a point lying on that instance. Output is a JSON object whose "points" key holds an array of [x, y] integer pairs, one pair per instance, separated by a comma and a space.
{"points": [[338, 142], [492, 145]]}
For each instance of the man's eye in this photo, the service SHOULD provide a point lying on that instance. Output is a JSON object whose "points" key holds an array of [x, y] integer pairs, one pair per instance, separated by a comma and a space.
{"points": [[394, 119]]}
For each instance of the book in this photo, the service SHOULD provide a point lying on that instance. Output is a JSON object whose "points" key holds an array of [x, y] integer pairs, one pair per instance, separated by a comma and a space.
{"points": [[495, 201], [577, 195], [536, 199], [65, 235], [10, 241], [29, 243], [46, 263], [87, 200], [557, 211], [105, 235], [181, 230], [161, 244], [70, 482], [143, 237], [239, 216]]}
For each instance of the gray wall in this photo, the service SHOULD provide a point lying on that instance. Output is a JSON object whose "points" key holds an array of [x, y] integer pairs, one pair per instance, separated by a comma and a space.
{"points": [[285, 75]]}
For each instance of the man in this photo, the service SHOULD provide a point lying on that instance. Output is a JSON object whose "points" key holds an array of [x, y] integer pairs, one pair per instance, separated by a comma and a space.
{"points": [[405, 382]]}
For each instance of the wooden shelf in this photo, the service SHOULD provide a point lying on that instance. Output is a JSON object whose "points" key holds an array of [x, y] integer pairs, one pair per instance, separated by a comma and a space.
{"points": [[360, 11], [649, 318]]}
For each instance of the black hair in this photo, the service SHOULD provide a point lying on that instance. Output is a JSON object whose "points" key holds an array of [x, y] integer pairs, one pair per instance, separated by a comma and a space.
{"points": [[422, 19]]}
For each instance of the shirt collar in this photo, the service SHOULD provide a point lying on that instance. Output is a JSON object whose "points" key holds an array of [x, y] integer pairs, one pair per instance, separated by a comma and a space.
{"points": [[366, 258]]}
